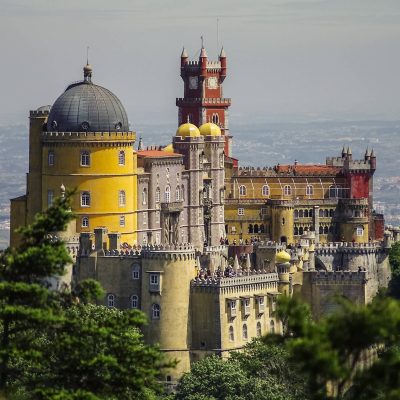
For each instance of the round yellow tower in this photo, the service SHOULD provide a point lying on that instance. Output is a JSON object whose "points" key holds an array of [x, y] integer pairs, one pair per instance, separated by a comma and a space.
{"points": [[282, 221], [87, 146]]}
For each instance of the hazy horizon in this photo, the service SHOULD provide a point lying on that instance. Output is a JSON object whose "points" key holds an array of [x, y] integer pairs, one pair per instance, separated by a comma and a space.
{"points": [[287, 60]]}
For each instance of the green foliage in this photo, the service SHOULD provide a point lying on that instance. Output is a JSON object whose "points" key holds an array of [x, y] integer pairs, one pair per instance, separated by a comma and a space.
{"points": [[262, 371], [330, 351], [394, 260]]}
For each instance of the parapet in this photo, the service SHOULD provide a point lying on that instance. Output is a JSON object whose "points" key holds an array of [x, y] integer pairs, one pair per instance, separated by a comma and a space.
{"points": [[88, 136], [337, 277], [347, 247]]}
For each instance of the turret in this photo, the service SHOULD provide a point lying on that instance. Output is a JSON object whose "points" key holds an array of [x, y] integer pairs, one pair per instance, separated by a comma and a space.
{"points": [[203, 62], [184, 57], [349, 153], [222, 59], [373, 160], [344, 153], [367, 155]]}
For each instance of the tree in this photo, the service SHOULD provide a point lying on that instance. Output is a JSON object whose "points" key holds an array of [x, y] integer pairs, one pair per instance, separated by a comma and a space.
{"points": [[394, 261], [331, 350], [26, 303]]}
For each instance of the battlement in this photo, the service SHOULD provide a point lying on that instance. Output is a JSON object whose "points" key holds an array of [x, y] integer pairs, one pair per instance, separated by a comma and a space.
{"points": [[39, 113], [89, 136], [250, 278], [213, 65], [347, 247], [203, 100], [338, 277]]}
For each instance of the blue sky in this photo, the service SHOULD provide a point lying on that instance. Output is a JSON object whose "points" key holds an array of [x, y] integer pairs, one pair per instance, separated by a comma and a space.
{"points": [[316, 58]]}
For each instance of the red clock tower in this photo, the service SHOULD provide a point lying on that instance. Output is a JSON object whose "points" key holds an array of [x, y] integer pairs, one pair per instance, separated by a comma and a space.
{"points": [[203, 99]]}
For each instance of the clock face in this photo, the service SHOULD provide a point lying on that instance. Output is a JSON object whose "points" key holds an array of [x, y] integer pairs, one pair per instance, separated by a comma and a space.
{"points": [[212, 82], [193, 82]]}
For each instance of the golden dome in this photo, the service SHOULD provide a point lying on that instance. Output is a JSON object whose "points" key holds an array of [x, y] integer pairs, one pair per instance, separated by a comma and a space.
{"points": [[188, 129], [282, 257], [169, 148], [210, 129]]}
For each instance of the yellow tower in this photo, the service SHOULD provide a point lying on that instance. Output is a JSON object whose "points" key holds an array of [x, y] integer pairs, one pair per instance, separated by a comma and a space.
{"points": [[85, 144], [282, 221]]}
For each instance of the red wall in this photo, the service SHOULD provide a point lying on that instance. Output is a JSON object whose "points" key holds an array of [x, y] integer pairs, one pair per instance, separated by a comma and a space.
{"points": [[359, 185]]}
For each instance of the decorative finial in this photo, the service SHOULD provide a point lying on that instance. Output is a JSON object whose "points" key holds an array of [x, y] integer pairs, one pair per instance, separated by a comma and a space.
{"points": [[202, 41], [62, 188], [222, 54], [188, 119], [140, 145], [184, 53]]}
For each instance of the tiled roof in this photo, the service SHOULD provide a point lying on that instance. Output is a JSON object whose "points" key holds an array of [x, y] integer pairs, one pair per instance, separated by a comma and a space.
{"points": [[315, 169]]}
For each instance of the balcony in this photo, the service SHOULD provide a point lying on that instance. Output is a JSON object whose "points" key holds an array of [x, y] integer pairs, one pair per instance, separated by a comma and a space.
{"points": [[173, 207]]}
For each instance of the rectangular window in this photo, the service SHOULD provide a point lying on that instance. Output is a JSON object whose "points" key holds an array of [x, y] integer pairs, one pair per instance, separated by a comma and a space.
{"points": [[50, 197], [154, 281], [122, 220], [85, 158], [240, 211], [246, 306], [85, 199], [360, 231], [50, 158]]}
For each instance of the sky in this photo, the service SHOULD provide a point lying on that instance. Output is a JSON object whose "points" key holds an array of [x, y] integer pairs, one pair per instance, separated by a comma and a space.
{"points": [[316, 59]]}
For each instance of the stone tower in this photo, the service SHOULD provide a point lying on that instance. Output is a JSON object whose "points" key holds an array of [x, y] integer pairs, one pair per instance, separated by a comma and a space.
{"points": [[203, 99]]}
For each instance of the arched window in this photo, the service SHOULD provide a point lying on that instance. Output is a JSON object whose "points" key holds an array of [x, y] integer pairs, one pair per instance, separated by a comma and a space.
{"points": [[183, 192], [85, 158], [305, 213], [177, 194], [321, 230], [250, 228], [265, 190], [287, 190], [359, 231], [259, 332], [215, 119], [158, 195], [296, 213], [326, 213], [309, 190], [255, 228], [167, 194], [121, 157], [110, 300], [321, 212], [310, 212], [136, 271], [121, 198], [335, 191], [242, 190], [301, 230], [231, 334], [134, 301], [85, 222], [50, 158], [331, 212], [144, 196], [301, 213], [155, 311], [85, 199], [272, 326], [122, 220], [296, 230], [244, 332], [326, 230]]}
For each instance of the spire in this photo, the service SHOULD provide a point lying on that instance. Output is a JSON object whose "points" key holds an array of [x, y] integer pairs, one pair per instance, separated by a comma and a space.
{"points": [[236, 265], [140, 145], [366, 152], [222, 54], [184, 53], [372, 153], [248, 263], [203, 53]]}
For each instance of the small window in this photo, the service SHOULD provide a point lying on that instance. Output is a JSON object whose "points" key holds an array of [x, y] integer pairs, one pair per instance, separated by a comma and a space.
{"points": [[85, 199], [272, 326], [231, 334], [85, 222], [296, 213], [121, 198], [85, 158], [155, 311], [265, 190], [136, 271], [215, 118], [167, 194], [178, 194], [134, 301], [158, 196], [121, 157], [153, 279], [244, 332], [287, 190], [50, 197], [242, 190], [240, 211], [110, 300], [360, 231], [309, 190], [154, 283], [122, 220], [144, 196], [50, 158], [259, 332]]}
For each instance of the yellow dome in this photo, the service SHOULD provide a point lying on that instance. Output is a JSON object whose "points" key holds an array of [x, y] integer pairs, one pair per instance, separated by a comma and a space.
{"points": [[282, 257], [169, 148], [188, 129], [210, 129]]}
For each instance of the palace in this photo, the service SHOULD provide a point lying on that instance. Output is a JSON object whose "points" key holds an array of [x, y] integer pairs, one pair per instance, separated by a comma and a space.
{"points": [[201, 245]]}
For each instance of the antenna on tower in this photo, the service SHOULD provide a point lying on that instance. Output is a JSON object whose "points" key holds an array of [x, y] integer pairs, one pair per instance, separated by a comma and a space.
{"points": [[217, 33], [87, 55], [202, 41]]}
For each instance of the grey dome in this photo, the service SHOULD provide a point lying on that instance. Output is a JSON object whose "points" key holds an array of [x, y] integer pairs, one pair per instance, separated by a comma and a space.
{"points": [[86, 107]]}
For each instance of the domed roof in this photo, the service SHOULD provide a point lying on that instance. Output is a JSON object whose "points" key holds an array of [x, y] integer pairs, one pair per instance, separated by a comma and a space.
{"points": [[188, 129], [210, 129], [282, 257], [86, 107]]}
